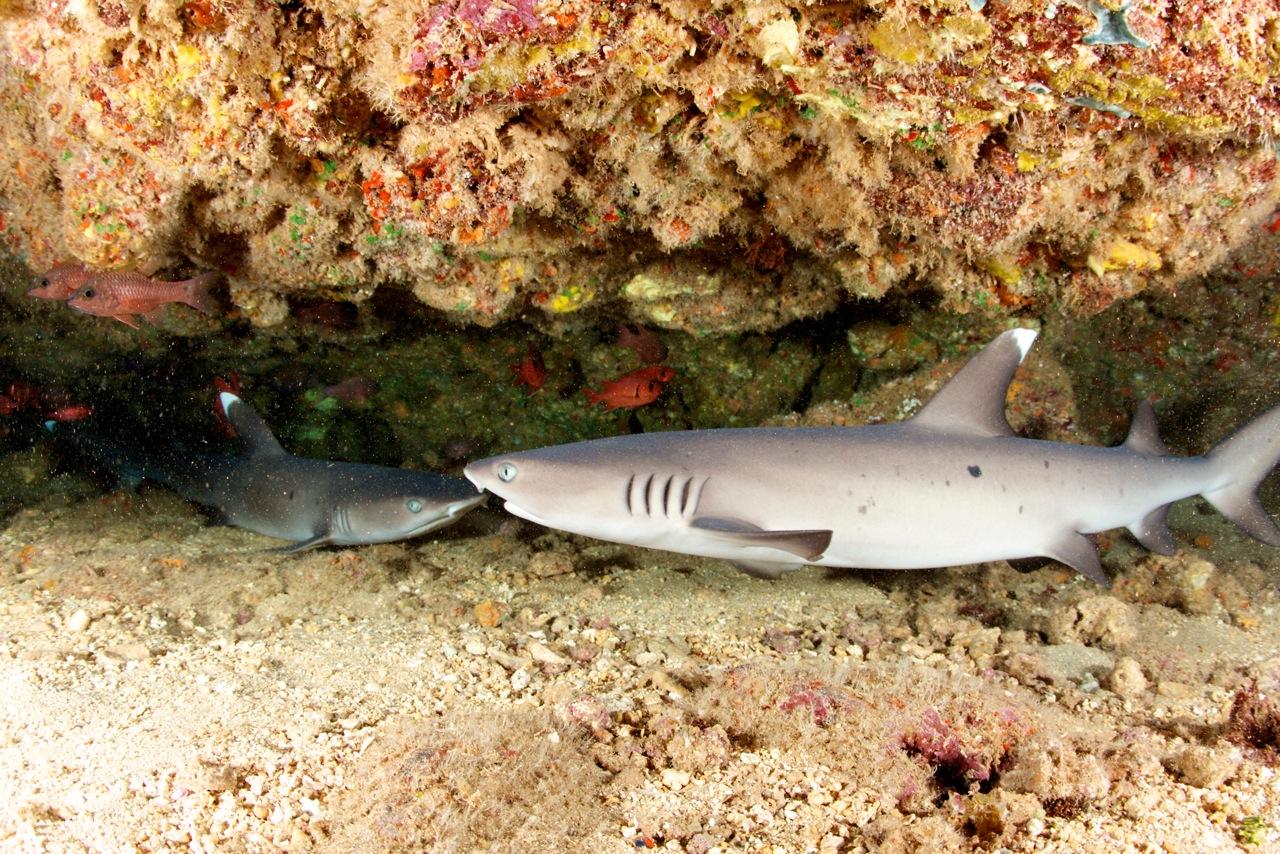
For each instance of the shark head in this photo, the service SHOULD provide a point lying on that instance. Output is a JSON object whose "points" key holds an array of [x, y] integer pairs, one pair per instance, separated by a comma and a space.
{"points": [[526, 484], [395, 504], [572, 487]]}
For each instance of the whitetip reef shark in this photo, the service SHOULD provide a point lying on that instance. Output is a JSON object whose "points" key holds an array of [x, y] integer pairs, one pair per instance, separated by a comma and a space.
{"points": [[950, 486], [311, 502]]}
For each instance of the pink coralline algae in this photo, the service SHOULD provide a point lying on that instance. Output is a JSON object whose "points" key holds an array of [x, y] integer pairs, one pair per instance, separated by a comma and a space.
{"points": [[815, 696], [935, 741]]}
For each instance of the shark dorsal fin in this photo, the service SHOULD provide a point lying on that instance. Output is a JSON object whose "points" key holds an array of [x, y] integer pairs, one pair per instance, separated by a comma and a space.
{"points": [[972, 402], [256, 438], [1144, 434]]}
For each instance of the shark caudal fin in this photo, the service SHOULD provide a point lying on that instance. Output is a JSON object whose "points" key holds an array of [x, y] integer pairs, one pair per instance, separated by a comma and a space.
{"points": [[196, 293], [1241, 462]]}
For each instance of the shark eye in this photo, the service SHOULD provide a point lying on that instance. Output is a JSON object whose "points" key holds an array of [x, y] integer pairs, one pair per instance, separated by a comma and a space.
{"points": [[507, 472], [414, 505]]}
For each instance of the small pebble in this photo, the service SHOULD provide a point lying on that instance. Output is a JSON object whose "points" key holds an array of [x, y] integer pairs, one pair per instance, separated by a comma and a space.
{"points": [[1207, 767], [78, 622], [1126, 678], [520, 680]]}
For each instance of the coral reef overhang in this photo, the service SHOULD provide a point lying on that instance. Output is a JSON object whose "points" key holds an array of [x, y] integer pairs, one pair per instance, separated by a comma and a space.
{"points": [[711, 166]]}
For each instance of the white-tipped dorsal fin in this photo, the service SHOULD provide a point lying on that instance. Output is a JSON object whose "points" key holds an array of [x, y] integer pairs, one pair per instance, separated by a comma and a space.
{"points": [[1144, 433], [256, 438], [972, 402]]}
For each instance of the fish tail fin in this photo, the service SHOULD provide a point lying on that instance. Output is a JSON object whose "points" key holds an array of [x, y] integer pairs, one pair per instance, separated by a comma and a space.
{"points": [[1241, 461], [593, 397], [198, 293]]}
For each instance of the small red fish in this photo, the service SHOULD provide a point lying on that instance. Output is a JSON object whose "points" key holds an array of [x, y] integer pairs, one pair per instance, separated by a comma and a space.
{"points": [[644, 342], [530, 371], [7, 406], [73, 412], [231, 384], [353, 390], [633, 390], [61, 281], [122, 295]]}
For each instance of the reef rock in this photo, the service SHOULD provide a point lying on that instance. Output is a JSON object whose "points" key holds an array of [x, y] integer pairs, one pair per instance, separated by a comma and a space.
{"points": [[708, 167]]}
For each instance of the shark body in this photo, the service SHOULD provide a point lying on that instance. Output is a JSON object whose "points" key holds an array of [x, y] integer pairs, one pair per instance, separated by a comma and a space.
{"points": [[307, 501], [952, 485]]}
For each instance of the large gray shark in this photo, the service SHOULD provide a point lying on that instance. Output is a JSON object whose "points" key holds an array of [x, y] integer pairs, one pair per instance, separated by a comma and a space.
{"points": [[952, 485], [311, 502]]}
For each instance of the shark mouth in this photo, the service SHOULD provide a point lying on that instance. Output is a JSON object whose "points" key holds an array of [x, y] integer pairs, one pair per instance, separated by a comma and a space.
{"points": [[516, 510]]}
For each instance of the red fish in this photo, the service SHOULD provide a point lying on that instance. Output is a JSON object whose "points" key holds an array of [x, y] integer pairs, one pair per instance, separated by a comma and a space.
{"points": [[7, 406], [72, 412], [220, 385], [530, 371], [354, 390], [122, 295], [633, 390], [61, 281], [644, 342]]}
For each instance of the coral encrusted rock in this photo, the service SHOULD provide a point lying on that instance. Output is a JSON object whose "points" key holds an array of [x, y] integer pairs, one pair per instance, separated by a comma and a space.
{"points": [[706, 166]]}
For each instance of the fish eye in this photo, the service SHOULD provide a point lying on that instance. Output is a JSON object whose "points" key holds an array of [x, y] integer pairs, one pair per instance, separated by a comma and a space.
{"points": [[507, 472], [414, 505], [44, 283], [89, 293]]}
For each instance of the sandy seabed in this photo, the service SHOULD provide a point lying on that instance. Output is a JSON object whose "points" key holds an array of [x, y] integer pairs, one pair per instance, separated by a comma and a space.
{"points": [[172, 686]]}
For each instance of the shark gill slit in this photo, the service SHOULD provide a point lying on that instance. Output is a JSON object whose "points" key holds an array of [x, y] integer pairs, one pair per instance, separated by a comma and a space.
{"points": [[626, 493], [648, 482], [666, 496]]}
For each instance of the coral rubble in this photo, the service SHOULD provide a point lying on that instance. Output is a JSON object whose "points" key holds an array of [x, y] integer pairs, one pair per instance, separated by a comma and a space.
{"points": [[498, 157]]}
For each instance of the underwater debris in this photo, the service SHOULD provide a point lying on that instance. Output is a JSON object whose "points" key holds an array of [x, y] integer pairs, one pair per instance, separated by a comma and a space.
{"points": [[1113, 27]]}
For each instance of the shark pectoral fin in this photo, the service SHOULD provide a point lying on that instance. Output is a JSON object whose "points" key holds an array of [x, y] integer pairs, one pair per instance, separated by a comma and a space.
{"points": [[1153, 532], [806, 544], [1077, 551], [764, 568], [972, 402], [302, 545]]}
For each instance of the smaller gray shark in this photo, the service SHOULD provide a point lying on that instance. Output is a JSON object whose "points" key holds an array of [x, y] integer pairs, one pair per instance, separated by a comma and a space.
{"points": [[311, 502], [952, 485]]}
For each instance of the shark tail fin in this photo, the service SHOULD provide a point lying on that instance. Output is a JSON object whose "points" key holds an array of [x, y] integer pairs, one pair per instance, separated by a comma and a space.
{"points": [[1241, 462], [197, 293]]}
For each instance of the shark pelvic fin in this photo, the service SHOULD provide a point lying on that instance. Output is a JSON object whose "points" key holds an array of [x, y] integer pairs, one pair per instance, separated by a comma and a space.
{"points": [[764, 568], [805, 544], [1144, 433], [1077, 551], [302, 545], [256, 438], [1153, 532], [972, 402]]}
